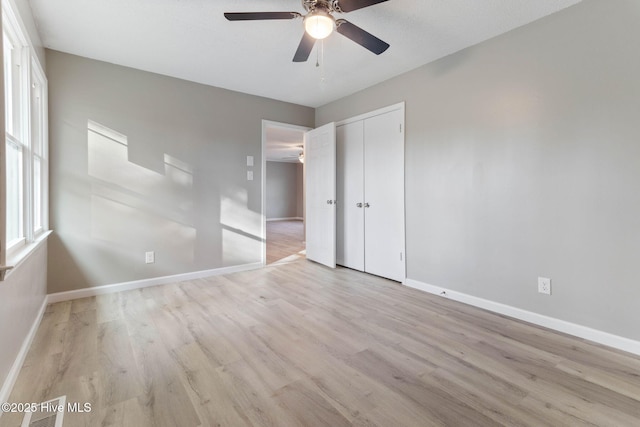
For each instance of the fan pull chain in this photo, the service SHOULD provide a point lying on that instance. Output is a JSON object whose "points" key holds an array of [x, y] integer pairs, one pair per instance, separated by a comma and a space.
{"points": [[320, 60]]}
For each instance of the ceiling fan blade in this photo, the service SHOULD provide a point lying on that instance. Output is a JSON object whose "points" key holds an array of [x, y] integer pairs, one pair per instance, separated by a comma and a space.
{"points": [[360, 36], [351, 5], [304, 48], [255, 16]]}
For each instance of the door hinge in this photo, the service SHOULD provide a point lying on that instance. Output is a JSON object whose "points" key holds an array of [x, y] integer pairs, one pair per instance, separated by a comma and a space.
{"points": [[400, 256], [400, 127]]}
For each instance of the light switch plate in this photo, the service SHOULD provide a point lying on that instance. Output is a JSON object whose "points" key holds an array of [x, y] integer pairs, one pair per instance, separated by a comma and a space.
{"points": [[249, 175], [249, 160]]}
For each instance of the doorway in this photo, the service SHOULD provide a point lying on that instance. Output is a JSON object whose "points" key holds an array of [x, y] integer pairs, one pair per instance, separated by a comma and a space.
{"points": [[283, 192]]}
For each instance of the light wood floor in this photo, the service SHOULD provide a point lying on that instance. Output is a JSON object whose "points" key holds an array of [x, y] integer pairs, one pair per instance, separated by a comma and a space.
{"points": [[285, 240], [300, 345]]}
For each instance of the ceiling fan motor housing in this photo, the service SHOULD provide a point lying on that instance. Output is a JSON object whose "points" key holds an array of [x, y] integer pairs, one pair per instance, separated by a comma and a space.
{"points": [[328, 6]]}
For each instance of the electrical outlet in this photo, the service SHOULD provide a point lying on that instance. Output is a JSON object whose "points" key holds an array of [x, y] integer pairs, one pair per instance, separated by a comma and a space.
{"points": [[149, 257], [249, 175], [544, 285]]}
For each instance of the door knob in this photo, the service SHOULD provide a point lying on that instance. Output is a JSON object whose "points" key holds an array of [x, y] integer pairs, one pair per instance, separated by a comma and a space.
{"points": [[366, 205], [359, 205], [329, 202]]}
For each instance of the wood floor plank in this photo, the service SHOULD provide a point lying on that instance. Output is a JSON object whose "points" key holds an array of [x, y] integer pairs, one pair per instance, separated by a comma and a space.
{"points": [[167, 320], [108, 307], [252, 398], [285, 240], [119, 374], [299, 344], [134, 414], [551, 413], [83, 304], [274, 372], [212, 342], [624, 384], [79, 352], [469, 388], [110, 416], [210, 396], [49, 340], [306, 404], [441, 405], [164, 398]]}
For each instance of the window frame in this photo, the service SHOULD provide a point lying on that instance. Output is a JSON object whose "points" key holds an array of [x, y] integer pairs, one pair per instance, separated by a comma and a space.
{"points": [[39, 82], [28, 110], [15, 243]]}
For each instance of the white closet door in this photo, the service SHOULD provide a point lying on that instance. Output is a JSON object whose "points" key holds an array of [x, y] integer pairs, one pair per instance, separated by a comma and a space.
{"points": [[384, 195], [320, 170], [350, 195]]}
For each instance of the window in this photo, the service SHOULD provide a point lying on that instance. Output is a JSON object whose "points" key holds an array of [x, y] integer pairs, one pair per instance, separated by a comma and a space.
{"points": [[15, 191], [25, 136], [15, 144], [39, 145]]}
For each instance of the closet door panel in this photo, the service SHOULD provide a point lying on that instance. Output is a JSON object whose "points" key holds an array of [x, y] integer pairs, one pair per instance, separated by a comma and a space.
{"points": [[384, 195], [350, 189]]}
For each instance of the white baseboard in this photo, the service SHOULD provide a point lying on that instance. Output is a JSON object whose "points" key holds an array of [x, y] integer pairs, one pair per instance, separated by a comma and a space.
{"points": [[9, 382], [293, 218], [574, 329], [144, 283]]}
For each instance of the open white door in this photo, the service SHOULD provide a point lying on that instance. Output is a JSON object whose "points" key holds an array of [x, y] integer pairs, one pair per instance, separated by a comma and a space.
{"points": [[320, 176]]}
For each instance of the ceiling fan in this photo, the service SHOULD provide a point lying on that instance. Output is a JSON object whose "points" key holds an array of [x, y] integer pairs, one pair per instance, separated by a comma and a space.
{"points": [[299, 156], [319, 23]]}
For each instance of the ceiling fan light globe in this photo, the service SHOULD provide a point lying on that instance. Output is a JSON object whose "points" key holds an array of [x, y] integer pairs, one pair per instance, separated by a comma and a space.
{"points": [[319, 25]]}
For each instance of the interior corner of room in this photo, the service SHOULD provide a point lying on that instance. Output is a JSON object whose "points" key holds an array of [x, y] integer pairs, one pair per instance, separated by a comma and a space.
{"points": [[502, 176]]}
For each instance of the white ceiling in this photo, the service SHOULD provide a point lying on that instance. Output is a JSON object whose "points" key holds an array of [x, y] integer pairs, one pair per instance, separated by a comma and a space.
{"points": [[283, 144], [191, 40]]}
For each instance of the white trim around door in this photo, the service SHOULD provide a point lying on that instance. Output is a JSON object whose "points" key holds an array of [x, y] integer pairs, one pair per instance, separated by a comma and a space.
{"points": [[263, 176]]}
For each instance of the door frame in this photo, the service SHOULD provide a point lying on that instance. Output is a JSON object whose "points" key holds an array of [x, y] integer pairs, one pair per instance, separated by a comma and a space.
{"points": [[263, 178], [399, 106]]}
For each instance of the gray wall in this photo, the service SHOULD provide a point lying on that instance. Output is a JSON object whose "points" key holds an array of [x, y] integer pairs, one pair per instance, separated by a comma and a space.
{"points": [[21, 296], [282, 190], [178, 187], [523, 160]]}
